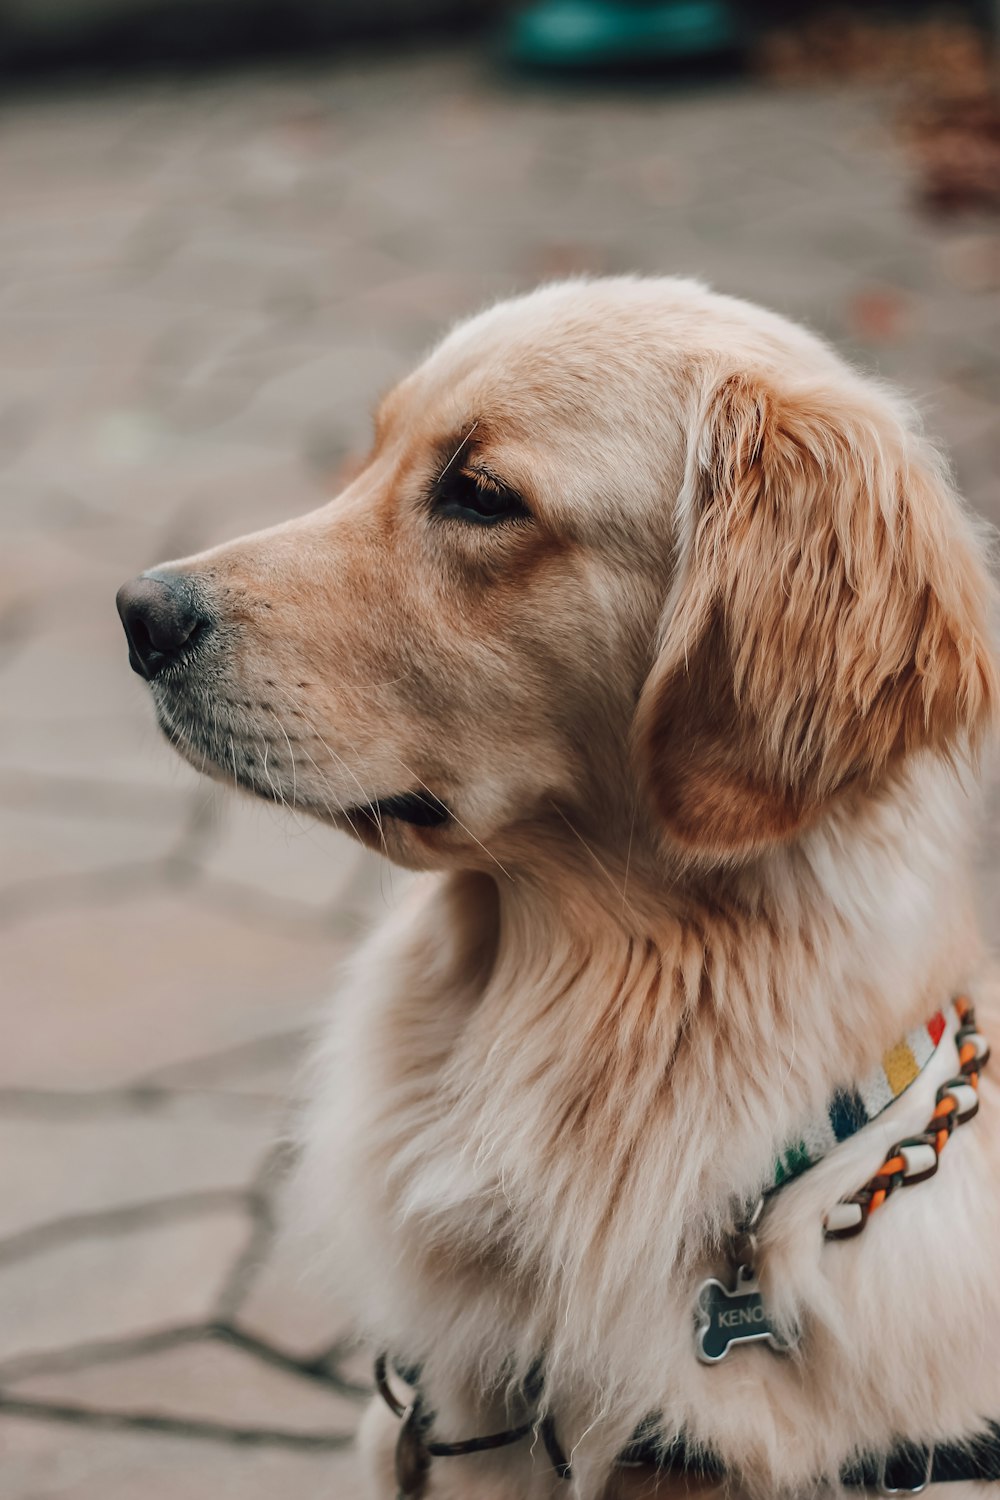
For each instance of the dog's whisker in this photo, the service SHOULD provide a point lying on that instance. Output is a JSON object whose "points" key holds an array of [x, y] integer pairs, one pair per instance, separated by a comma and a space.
{"points": [[372, 803], [458, 450], [374, 687], [215, 725], [464, 827], [332, 806], [365, 795], [277, 794], [291, 756], [232, 752], [626, 904]]}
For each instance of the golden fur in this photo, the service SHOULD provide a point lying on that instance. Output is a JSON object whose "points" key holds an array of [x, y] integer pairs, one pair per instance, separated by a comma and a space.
{"points": [[705, 724]]}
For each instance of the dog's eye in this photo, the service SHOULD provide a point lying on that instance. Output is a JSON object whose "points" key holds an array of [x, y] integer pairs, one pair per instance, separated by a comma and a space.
{"points": [[478, 497]]}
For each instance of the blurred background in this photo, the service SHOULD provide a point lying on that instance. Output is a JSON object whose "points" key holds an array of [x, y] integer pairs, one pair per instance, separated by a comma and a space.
{"points": [[225, 229]]}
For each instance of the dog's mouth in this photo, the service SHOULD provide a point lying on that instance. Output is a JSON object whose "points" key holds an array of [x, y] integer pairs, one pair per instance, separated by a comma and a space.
{"points": [[420, 809], [249, 761]]}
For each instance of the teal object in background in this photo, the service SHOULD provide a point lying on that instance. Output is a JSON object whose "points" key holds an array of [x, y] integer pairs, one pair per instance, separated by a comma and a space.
{"points": [[601, 33]]}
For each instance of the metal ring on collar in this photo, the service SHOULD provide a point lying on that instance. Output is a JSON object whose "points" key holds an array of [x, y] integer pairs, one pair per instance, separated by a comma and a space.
{"points": [[884, 1488]]}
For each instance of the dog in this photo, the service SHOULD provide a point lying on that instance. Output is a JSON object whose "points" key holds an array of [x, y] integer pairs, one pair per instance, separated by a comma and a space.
{"points": [[657, 635]]}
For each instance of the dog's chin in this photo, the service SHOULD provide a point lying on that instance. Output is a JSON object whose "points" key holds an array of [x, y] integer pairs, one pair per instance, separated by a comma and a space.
{"points": [[196, 755]]}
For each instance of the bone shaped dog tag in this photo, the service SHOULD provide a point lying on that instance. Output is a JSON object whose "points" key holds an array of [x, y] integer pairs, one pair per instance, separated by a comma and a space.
{"points": [[732, 1317]]}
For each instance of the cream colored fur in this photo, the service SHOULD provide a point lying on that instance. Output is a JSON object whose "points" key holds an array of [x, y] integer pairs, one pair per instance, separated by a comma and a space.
{"points": [[705, 725]]}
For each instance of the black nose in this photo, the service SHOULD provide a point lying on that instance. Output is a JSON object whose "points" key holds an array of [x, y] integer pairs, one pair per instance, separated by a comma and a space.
{"points": [[161, 616]]}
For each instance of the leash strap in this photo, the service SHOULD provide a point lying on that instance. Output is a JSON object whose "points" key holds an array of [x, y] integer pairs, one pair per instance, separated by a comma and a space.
{"points": [[415, 1447]]}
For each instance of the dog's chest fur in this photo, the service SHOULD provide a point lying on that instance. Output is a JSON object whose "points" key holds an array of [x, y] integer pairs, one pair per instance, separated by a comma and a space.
{"points": [[529, 1146]]}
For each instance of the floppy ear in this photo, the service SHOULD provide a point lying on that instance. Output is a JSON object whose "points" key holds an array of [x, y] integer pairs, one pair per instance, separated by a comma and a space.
{"points": [[829, 615]]}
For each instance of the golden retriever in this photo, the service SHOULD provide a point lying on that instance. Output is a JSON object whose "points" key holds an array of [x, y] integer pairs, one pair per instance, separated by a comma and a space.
{"points": [[660, 635]]}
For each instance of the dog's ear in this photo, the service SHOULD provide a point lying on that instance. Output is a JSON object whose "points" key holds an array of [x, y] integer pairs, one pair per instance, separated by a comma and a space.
{"points": [[830, 614]]}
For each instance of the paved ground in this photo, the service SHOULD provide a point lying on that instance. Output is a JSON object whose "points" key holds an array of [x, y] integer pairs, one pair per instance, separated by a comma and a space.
{"points": [[201, 290]]}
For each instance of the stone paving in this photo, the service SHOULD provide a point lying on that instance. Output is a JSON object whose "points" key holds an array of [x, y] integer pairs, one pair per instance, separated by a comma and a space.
{"points": [[202, 288]]}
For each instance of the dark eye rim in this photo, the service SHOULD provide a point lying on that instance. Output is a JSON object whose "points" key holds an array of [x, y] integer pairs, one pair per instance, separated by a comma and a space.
{"points": [[472, 494]]}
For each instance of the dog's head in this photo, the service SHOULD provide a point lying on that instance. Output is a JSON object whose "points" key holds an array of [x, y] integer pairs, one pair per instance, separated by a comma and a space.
{"points": [[625, 554]]}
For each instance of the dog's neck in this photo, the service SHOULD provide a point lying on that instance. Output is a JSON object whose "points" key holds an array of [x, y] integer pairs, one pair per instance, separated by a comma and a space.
{"points": [[876, 898], [717, 1016]]}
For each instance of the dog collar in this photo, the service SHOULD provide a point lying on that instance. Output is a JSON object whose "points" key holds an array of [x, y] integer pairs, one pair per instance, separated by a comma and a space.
{"points": [[729, 1316], [851, 1109], [907, 1470], [915, 1158]]}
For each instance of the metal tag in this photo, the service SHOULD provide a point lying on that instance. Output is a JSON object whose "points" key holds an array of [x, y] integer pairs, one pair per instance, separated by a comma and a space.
{"points": [[733, 1317], [412, 1460]]}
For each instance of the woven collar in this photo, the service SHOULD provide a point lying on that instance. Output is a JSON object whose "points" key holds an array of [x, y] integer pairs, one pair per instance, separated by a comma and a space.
{"points": [[851, 1109]]}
